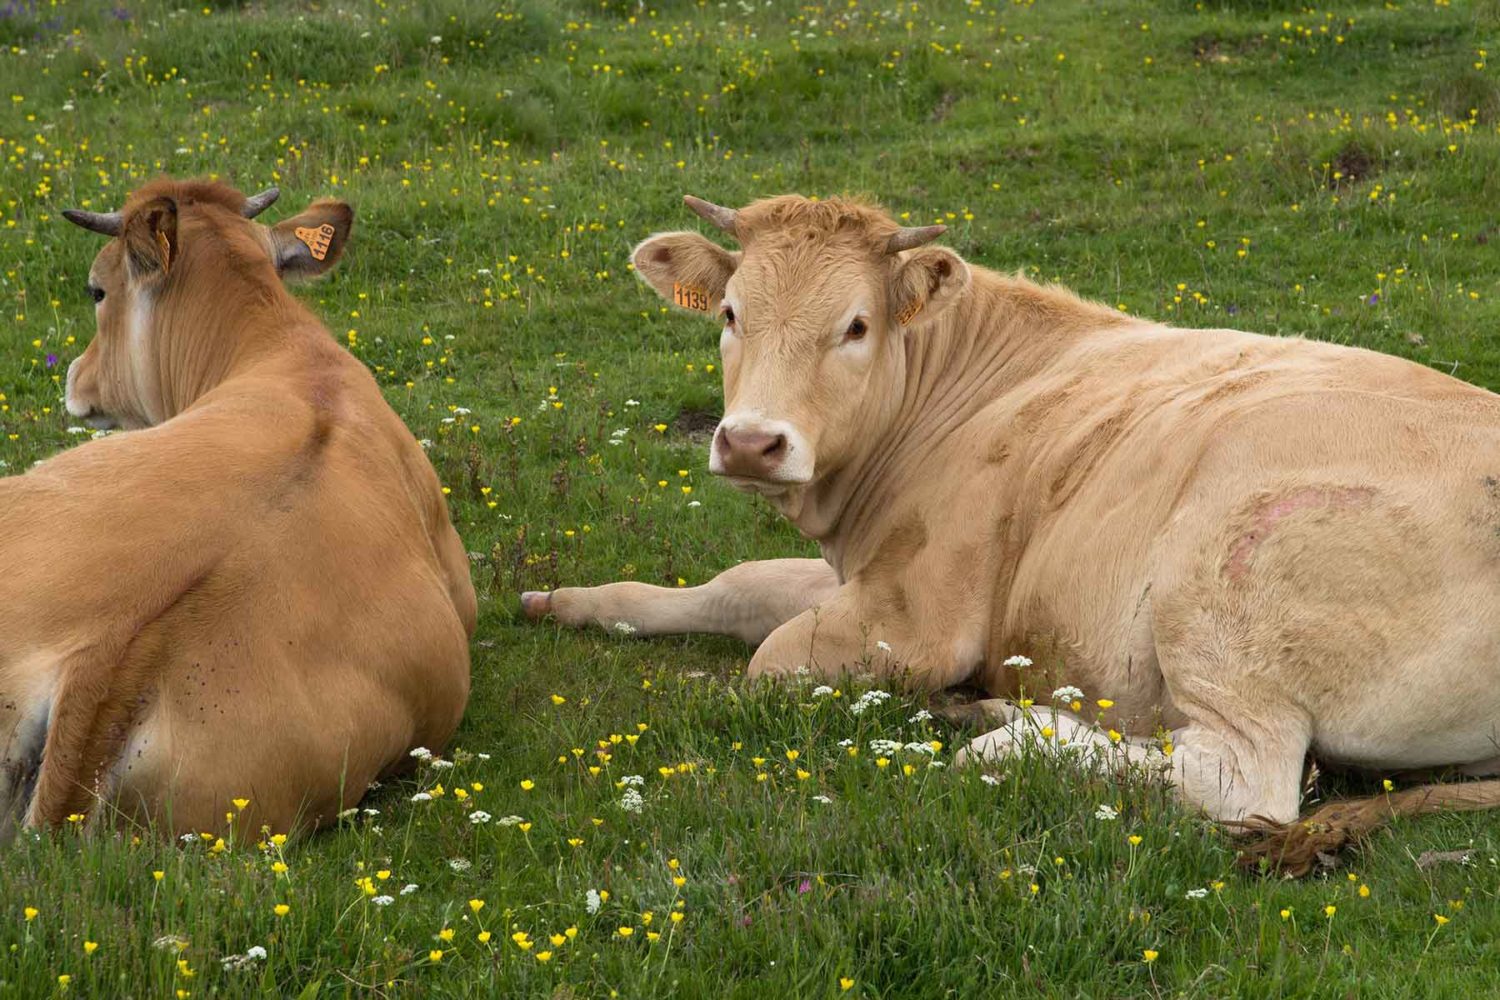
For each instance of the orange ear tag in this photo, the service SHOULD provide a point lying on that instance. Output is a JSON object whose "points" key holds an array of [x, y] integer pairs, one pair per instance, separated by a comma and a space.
{"points": [[690, 296], [905, 316], [318, 240]]}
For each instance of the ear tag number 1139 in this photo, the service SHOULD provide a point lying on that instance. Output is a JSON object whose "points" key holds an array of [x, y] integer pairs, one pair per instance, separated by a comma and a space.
{"points": [[690, 296]]}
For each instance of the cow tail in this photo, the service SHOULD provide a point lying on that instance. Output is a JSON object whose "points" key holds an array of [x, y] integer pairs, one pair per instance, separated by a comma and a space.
{"points": [[1294, 848], [83, 737]]}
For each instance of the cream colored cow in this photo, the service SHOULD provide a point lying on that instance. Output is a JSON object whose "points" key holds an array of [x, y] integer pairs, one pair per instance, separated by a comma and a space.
{"points": [[1264, 547], [255, 592]]}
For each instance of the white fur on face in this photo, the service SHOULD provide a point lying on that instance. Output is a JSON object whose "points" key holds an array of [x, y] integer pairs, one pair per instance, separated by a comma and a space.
{"points": [[143, 371], [76, 407]]}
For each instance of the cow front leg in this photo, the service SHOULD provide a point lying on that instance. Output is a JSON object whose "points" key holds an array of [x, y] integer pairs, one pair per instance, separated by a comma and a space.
{"points": [[747, 601], [847, 634]]}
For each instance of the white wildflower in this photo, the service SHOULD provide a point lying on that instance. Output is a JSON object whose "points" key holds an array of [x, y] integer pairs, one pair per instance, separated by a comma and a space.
{"points": [[255, 954], [592, 902], [421, 797], [846, 743], [1018, 661], [421, 753], [631, 801], [989, 779], [479, 816], [922, 716], [1106, 812], [409, 888], [822, 691], [440, 764], [460, 864], [1196, 893], [512, 820], [1067, 693], [867, 699], [823, 799], [883, 646], [884, 748], [624, 628], [383, 900], [631, 781]]}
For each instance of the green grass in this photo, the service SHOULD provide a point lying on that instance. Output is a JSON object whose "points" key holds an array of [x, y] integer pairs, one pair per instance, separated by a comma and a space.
{"points": [[1213, 164]]}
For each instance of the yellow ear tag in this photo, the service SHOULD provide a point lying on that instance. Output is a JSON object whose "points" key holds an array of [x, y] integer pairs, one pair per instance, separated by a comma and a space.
{"points": [[905, 316], [690, 296], [318, 240]]}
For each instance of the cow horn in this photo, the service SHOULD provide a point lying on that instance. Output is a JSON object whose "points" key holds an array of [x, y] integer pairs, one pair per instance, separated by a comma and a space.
{"points": [[107, 223], [717, 214], [908, 237], [257, 204]]}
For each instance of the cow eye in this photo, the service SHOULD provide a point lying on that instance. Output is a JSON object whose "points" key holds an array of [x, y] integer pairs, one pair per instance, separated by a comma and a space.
{"points": [[97, 293], [856, 331], [728, 316]]}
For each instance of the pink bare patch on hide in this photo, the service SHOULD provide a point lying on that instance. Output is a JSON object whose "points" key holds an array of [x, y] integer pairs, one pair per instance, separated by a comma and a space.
{"points": [[1272, 511]]}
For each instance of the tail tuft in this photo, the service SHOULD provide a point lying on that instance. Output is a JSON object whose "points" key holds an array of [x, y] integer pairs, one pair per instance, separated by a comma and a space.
{"points": [[1294, 849]]}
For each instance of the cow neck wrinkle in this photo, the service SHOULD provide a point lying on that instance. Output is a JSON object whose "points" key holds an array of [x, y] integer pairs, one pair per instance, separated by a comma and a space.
{"points": [[192, 365], [998, 334]]}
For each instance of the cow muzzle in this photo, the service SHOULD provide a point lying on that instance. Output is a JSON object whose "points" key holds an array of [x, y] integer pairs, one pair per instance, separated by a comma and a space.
{"points": [[78, 406], [754, 455]]}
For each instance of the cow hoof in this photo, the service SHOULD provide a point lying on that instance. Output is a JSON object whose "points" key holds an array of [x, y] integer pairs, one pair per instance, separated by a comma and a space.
{"points": [[536, 604]]}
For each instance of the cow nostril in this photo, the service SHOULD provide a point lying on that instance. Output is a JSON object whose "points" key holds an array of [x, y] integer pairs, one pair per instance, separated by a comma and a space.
{"points": [[775, 448]]}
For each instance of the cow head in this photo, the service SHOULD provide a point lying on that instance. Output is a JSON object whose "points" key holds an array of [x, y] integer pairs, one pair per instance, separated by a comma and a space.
{"points": [[816, 308], [173, 286]]}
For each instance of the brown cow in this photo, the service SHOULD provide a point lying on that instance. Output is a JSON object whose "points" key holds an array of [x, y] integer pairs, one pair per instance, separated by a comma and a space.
{"points": [[258, 593], [1254, 547]]}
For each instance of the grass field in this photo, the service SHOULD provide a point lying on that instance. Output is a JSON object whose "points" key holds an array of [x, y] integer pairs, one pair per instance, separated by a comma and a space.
{"points": [[1328, 173]]}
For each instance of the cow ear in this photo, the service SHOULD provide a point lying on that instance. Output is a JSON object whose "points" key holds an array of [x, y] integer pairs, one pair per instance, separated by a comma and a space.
{"points": [[309, 244], [150, 237], [927, 281], [685, 269]]}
